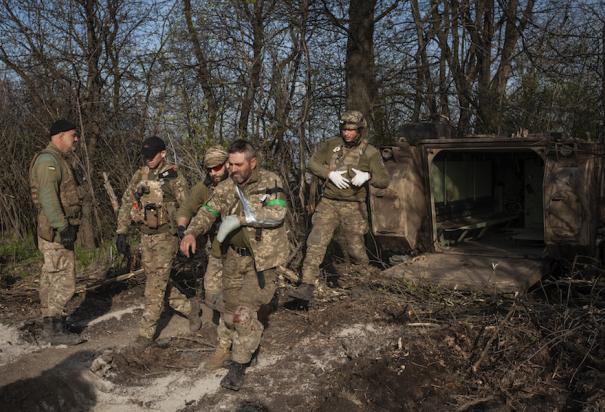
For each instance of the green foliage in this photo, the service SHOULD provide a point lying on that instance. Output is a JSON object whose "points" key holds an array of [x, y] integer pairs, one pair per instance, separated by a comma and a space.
{"points": [[16, 250], [20, 258]]}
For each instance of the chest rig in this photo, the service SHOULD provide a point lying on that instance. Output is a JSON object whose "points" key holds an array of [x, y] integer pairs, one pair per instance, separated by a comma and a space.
{"points": [[153, 201], [70, 195], [345, 158]]}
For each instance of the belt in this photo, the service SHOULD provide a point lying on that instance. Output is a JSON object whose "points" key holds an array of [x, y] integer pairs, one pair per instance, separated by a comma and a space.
{"points": [[344, 200], [242, 251]]}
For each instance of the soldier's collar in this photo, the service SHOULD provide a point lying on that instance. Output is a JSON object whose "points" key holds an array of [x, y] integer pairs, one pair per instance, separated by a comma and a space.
{"points": [[51, 146], [253, 178]]}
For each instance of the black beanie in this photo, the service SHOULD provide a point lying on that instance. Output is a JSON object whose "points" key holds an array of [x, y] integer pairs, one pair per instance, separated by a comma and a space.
{"points": [[61, 126], [152, 146]]}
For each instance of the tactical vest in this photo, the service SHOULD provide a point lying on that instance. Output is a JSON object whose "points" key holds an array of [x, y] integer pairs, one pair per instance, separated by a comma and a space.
{"points": [[70, 195], [344, 158], [153, 205]]}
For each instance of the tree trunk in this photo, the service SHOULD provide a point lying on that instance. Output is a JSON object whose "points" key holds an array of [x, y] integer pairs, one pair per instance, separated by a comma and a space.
{"points": [[258, 34], [203, 72], [360, 82]]}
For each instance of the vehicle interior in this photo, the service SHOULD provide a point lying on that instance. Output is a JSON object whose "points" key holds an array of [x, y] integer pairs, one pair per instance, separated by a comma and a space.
{"points": [[488, 201]]}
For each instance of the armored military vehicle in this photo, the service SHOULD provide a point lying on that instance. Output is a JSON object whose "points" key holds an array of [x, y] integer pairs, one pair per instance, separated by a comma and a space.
{"points": [[492, 200]]}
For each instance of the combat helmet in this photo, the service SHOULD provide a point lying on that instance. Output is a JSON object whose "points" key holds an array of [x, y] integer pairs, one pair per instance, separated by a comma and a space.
{"points": [[353, 120]]}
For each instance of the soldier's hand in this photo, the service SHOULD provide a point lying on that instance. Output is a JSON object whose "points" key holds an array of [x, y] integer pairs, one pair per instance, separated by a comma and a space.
{"points": [[188, 245], [360, 177], [228, 225], [68, 236], [122, 244], [337, 178]]}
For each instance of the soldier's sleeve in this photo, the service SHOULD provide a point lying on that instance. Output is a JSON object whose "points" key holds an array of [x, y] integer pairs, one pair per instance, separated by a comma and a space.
{"points": [[208, 212], [127, 199], [318, 162], [378, 171], [274, 206], [197, 197], [48, 176], [180, 188]]}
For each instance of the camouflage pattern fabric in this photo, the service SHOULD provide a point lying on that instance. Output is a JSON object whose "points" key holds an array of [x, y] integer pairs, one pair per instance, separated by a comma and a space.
{"points": [[351, 218], [333, 155], [264, 191], [158, 252], [213, 278], [239, 327], [174, 191], [57, 277], [55, 192], [178, 300]]}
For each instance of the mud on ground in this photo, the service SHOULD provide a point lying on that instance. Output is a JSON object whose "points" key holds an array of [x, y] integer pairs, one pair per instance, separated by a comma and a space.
{"points": [[371, 343]]}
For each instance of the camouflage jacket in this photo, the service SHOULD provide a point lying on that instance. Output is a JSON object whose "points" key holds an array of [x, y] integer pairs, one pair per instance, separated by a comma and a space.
{"points": [[264, 191], [334, 155], [55, 192], [200, 193], [151, 200]]}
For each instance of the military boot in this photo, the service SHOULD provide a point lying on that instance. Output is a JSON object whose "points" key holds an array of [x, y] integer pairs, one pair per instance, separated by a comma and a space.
{"points": [[195, 320], [303, 292], [55, 332], [235, 377], [218, 358]]}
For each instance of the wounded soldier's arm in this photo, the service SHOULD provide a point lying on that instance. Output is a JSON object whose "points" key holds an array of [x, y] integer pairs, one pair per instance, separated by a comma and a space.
{"points": [[273, 210], [48, 176]]}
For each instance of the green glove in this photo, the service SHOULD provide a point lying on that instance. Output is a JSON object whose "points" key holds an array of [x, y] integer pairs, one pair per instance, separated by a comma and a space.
{"points": [[228, 225]]}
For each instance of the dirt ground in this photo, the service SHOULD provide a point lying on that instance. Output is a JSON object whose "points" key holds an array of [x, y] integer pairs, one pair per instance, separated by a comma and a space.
{"points": [[370, 343]]}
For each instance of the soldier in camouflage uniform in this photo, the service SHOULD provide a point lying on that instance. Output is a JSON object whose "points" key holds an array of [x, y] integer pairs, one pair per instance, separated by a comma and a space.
{"points": [[347, 164], [57, 197], [252, 208], [215, 162], [150, 201]]}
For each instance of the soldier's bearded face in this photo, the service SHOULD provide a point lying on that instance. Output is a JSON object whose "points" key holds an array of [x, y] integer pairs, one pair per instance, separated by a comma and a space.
{"points": [[240, 168], [217, 173]]}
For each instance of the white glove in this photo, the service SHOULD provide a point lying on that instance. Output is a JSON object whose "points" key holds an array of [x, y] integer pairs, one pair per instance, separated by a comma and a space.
{"points": [[228, 225], [360, 177], [337, 178]]}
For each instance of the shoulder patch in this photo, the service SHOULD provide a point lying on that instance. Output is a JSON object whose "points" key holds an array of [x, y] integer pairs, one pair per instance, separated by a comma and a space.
{"points": [[169, 173]]}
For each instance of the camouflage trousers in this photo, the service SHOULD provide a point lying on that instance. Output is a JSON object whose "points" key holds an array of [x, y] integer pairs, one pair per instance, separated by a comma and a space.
{"points": [[213, 279], [158, 252], [57, 277], [351, 218], [239, 327]]}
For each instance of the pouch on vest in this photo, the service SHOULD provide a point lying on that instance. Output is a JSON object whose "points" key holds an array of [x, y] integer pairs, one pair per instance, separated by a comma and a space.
{"points": [[149, 208]]}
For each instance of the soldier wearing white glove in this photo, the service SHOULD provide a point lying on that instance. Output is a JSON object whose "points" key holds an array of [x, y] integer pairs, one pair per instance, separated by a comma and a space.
{"points": [[338, 179], [360, 177]]}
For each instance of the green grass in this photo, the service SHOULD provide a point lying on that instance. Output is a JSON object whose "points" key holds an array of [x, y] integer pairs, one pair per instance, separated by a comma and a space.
{"points": [[20, 258], [18, 250]]}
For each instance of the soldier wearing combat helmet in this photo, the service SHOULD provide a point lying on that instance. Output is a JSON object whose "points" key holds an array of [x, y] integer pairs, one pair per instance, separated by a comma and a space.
{"points": [[150, 202], [348, 164]]}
